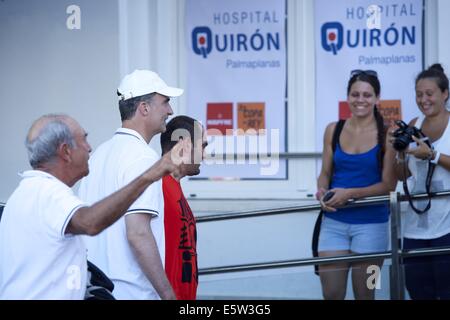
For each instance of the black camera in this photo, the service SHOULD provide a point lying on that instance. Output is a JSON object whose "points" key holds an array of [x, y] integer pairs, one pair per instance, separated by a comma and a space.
{"points": [[403, 135]]}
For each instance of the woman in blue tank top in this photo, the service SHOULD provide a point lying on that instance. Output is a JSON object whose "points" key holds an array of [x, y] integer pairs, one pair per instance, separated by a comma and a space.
{"points": [[361, 165]]}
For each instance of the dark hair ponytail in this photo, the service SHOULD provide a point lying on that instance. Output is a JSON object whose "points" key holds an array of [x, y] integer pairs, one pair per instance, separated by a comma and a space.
{"points": [[381, 136]]}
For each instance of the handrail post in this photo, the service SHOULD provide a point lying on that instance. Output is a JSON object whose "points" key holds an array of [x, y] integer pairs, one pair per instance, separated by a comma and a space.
{"points": [[396, 272]]}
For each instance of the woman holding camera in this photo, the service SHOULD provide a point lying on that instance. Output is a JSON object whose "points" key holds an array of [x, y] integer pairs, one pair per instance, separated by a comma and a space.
{"points": [[356, 163], [428, 277]]}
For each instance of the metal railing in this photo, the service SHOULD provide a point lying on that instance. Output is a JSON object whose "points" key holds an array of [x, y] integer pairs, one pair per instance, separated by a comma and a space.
{"points": [[285, 210], [396, 254]]}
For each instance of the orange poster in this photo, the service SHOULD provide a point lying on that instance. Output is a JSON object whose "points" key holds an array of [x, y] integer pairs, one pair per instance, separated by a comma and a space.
{"points": [[391, 110], [251, 116]]}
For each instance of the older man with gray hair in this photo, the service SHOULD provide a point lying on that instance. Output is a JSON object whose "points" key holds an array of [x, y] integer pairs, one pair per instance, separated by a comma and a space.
{"points": [[42, 255]]}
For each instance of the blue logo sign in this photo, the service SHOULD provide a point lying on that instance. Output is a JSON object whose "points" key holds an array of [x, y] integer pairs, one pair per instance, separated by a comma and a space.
{"points": [[332, 36], [202, 41]]}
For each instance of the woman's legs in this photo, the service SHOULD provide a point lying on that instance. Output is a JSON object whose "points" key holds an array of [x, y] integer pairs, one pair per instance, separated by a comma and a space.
{"points": [[428, 278], [419, 273], [367, 238], [441, 268], [338, 238], [333, 277], [333, 241]]}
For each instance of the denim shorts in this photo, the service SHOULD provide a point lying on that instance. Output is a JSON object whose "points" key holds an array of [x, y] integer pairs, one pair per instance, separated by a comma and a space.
{"points": [[358, 238]]}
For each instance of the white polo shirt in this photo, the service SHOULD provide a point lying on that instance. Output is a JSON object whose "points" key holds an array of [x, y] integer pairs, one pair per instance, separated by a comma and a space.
{"points": [[37, 260], [113, 165]]}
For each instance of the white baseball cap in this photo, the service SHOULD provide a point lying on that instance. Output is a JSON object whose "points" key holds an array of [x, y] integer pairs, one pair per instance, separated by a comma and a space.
{"points": [[142, 82]]}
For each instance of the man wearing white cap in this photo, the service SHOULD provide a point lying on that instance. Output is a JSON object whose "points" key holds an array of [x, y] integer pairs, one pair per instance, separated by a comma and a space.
{"points": [[131, 251]]}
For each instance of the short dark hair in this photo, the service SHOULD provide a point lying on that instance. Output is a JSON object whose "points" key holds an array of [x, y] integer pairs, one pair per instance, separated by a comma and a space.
{"points": [[435, 72], [178, 123], [128, 107]]}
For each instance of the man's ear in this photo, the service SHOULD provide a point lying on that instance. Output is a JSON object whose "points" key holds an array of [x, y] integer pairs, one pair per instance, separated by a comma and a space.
{"points": [[64, 152], [143, 108]]}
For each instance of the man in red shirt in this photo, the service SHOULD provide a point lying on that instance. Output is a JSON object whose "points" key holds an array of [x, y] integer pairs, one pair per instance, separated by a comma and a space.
{"points": [[179, 222]]}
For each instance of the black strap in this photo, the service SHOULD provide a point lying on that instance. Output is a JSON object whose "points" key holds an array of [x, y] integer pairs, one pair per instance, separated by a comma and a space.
{"points": [[337, 134], [430, 171], [315, 237], [315, 240], [431, 167]]}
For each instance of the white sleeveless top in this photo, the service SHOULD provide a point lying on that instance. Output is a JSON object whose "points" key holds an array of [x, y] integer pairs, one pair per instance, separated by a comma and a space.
{"points": [[435, 222]]}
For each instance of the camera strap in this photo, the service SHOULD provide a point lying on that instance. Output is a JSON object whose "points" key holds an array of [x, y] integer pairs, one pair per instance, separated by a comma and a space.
{"points": [[430, 172]]}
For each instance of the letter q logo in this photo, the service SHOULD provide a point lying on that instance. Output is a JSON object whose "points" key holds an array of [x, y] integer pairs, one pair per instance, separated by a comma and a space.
{"points": [[202, 41], [332, 36]]}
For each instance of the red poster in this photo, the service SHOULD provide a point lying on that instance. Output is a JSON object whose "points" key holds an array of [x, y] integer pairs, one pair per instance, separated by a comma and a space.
{"points": [[219, 116]]}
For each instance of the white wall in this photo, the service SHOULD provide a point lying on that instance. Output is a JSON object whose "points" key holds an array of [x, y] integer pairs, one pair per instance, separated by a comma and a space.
{"points": [[443, 38], [47, 68]]}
